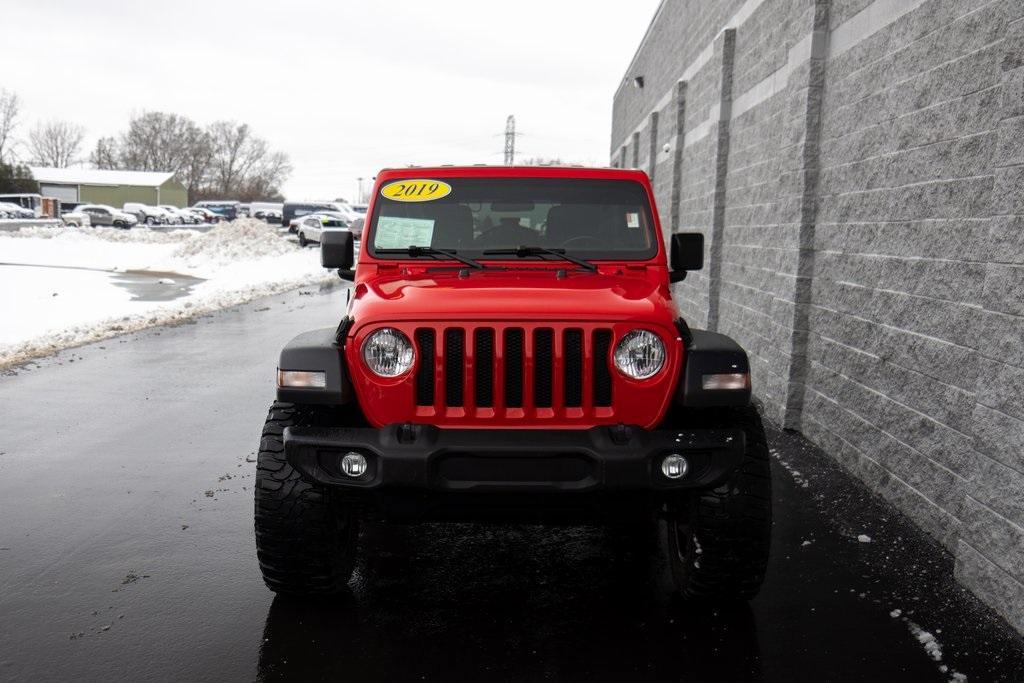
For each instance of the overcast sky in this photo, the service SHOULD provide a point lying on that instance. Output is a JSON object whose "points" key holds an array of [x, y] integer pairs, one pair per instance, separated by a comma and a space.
{"points": [[344, 88]]}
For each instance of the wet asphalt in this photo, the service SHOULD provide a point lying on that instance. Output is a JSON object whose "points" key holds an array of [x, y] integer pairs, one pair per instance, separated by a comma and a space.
{"points": [[127, 553]]}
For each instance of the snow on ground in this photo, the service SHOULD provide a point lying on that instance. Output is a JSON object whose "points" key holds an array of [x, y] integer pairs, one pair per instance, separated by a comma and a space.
{"points": [[933, 648], [63, 287]]}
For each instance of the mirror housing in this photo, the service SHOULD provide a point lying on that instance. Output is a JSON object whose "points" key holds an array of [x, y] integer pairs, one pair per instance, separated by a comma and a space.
{"points": [[686, 253], [337, 250]]}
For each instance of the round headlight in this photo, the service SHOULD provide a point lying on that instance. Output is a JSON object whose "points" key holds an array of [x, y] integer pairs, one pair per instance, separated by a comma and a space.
{"points": [[640, 354], [388, 352]]}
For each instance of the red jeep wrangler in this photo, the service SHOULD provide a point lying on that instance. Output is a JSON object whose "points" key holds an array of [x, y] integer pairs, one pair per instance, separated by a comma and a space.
{"points": [[511, 350]]}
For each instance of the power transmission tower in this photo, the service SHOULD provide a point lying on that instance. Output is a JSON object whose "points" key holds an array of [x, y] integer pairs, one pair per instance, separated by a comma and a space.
{"points": [[510, 140]]}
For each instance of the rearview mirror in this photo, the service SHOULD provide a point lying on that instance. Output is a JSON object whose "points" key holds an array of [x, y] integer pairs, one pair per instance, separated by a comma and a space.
{"points": [[687, 253], [337, 249]]}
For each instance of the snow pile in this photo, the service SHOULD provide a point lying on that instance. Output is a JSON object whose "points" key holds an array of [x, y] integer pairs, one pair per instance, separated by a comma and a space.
{"points": [[798, 477], [72, 287], [931, 645], [239, 240], [136, 236]]}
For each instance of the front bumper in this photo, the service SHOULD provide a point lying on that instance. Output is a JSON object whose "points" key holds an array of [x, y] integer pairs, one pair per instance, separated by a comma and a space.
{"points": [[456, 465]]}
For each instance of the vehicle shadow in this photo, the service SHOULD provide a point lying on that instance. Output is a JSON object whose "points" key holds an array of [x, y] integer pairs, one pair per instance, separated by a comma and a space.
{"points": [[475, 602]]}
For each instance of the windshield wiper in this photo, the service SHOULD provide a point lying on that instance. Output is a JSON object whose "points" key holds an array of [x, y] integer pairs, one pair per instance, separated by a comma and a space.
{"points": [[522, 251], [413, 250]]}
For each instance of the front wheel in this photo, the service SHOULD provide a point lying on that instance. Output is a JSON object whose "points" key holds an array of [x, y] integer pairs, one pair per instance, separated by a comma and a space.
{"points": [[718, 540], [305, 539], [302, 240]]}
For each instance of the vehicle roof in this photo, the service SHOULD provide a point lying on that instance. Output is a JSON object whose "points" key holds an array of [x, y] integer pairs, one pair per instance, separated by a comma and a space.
{"points": [[482, 171], [323, 214]]}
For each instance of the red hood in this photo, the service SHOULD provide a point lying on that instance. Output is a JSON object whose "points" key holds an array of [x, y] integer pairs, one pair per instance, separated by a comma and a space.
{"points": [[514, 295]]}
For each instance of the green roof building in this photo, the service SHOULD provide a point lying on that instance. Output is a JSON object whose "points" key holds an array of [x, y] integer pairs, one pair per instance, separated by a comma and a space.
{"points": [[115, 188]]}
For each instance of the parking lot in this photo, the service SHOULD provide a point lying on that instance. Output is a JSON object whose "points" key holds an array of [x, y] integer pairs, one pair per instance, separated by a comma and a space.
{"points": [[128, 547]]}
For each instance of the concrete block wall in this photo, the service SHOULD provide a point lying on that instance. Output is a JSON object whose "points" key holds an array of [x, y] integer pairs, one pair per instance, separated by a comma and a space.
{"points": [[990, 550], [857, 168]]}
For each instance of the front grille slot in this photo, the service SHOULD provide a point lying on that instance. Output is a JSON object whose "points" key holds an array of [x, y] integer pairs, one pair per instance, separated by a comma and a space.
{"points": [[602, 373], [573, 376], [543, 356], [569, 368], [483, 368], [425, 372], [514, 368], [454, 366]]}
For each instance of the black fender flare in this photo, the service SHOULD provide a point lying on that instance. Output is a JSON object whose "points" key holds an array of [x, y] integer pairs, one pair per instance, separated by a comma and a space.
{"points": [[710, 353], [317, 351]]}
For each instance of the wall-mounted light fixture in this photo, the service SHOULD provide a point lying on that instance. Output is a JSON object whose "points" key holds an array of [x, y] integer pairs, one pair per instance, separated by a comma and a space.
{"points": [[638, 82]]}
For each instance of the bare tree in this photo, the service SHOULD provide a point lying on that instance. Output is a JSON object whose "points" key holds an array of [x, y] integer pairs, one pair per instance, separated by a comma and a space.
{"points": [[56, 143], [153, 141], [224, 160], [235, 152], [243, 165], [106, 154], [10, 106], [265, 179]]}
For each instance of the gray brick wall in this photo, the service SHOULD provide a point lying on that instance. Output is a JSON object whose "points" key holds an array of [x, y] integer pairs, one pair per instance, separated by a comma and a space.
{"points": [[857, 168]]}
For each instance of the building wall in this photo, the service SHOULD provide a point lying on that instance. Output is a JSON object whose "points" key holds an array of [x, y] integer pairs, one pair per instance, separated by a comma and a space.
{"points": [[174, 193], [116, 195], [857, 168], [171, 192]]}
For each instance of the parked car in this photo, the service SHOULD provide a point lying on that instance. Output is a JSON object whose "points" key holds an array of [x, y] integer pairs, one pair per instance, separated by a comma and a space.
{"points": [[536, 371], [12, 210], [360, 208], [33, 202], [150, 215], [356, 227], [268, 215], [293, 224], [102, 214], [293, 210], [179, 216], [76, 218], [226, 208], [311, 227], [207, 216]]}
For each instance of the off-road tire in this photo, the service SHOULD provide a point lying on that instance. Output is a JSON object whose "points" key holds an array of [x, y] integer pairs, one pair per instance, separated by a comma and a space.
{"points": [[305, 540], [719, 539]]}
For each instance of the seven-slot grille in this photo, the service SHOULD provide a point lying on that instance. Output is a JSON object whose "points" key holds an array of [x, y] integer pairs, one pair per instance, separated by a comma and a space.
{"points": [[546, 368]]}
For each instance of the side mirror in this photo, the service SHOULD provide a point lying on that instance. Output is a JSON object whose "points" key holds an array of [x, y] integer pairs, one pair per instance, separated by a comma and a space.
{"points": [[337, 250], [686, 253]]}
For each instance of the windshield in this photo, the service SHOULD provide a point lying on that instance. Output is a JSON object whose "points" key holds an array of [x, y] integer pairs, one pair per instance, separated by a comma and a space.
{"points": [[594, 219]]}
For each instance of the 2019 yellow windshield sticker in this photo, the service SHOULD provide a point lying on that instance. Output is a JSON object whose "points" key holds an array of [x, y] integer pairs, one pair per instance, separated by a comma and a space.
{"points": [[416, 190]]}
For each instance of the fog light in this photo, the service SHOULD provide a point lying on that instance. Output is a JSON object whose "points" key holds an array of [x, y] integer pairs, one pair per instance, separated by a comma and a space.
{"points": [[353, 464], [301, 379], [675, 466]]}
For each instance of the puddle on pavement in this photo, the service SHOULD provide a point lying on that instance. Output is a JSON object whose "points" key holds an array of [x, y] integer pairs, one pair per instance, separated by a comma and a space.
{"points": [[143, 285], [148, 285]]}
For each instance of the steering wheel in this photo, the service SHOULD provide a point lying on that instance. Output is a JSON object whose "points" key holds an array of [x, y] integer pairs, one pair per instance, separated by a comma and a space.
{"points": [[582, 241]]}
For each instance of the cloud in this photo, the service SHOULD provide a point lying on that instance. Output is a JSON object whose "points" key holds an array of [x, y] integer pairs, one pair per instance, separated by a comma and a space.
{"points": [[344, 88]]}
